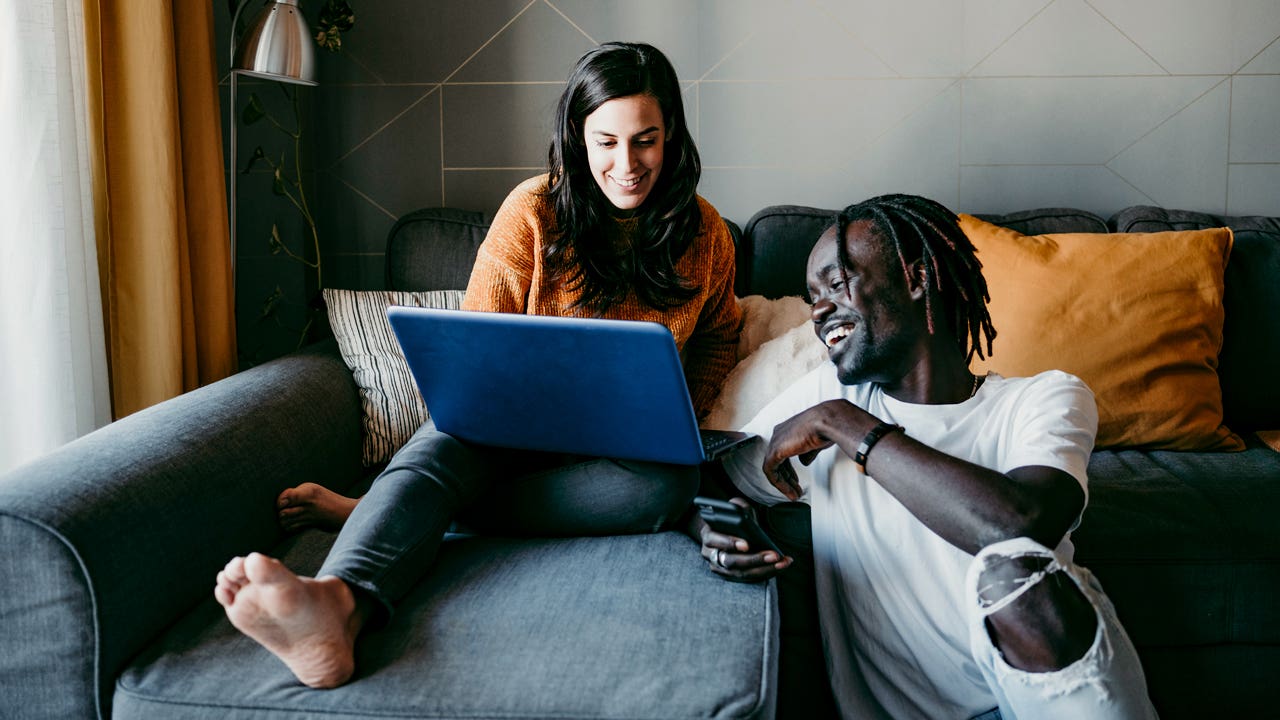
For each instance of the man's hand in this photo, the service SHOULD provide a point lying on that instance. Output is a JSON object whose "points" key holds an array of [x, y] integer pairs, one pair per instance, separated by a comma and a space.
{"points": [[804, 436], [731, 558]]}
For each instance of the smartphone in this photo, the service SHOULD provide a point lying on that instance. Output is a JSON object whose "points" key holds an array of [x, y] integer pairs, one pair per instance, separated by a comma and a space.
{"points": [[730, 519]]}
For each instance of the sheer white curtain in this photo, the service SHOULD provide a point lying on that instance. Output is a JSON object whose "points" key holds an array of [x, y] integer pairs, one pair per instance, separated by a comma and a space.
{"points": [[53, 368]]}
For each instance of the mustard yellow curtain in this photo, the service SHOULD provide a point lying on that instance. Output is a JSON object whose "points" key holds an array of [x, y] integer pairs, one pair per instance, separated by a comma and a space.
{"points": [[160, 199]]}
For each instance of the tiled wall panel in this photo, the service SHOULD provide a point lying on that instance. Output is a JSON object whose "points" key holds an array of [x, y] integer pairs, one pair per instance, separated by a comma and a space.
{"points": [[985, 105]]}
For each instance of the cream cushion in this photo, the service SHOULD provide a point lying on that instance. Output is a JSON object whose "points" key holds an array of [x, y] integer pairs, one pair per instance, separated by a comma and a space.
{"points": [[391, 407]]}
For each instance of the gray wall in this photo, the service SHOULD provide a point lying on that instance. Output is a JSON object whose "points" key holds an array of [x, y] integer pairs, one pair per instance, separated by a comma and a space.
{"points": [[984, 105]]}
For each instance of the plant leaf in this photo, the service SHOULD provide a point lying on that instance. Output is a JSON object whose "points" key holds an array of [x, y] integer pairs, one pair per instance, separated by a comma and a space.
{"points": [[253, 110], [277, 183], [274, 242], [258, 154], [269, 305]]}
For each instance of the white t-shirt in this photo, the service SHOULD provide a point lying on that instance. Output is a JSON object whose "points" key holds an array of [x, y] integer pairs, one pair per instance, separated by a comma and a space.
{"points": [[891, 591]]}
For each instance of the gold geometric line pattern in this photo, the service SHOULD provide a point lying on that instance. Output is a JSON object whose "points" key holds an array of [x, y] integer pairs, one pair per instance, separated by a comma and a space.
{"points": [[1126, 36], [492, 37]]}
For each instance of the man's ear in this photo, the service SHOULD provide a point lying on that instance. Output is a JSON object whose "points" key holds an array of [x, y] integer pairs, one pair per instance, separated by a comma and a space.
{"points": [[916, 280]]}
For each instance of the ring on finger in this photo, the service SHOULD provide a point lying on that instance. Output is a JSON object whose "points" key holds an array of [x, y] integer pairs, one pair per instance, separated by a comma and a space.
{"points": [[720, 557]]}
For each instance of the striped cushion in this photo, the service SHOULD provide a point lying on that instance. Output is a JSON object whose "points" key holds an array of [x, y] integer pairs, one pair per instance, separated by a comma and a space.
{"points": [[392, 409]]}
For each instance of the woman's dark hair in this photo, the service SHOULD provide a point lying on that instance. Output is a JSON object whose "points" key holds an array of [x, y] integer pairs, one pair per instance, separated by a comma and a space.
{"points": [[922, 230], [667, 221]]}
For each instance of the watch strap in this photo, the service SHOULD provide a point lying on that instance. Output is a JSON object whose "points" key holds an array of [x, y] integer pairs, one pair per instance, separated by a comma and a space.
{"points": [[868, 442]]}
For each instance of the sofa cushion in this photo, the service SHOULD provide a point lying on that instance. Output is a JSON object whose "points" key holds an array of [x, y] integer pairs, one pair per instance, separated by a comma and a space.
{"points": [[774, 248], [434, 248], [766, 363], [1251, 333], [1138, 317], [391, 408], [764, 319], [764, 374], [602, 627], [1185, 544]]}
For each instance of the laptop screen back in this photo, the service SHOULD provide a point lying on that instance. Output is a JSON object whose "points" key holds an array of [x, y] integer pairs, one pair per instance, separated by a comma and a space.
{"points": [[606, 388]]}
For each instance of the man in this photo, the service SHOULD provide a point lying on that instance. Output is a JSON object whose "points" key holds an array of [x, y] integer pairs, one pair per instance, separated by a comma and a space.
{"points": [[942, 502]]}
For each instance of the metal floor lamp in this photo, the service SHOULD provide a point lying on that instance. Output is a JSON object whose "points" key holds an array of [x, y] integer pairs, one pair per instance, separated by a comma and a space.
{"points": [[276, 46]]}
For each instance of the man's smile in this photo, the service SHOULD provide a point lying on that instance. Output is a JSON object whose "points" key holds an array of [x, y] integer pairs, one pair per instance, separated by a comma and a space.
{"points": [[834, 334]]}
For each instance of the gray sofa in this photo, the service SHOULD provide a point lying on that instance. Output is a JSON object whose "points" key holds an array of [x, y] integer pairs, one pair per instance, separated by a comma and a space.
{"points": [[110, 546]]}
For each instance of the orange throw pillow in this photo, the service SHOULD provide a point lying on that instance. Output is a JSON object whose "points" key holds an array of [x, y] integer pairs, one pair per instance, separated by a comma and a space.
{"points": [[1136, 316]]}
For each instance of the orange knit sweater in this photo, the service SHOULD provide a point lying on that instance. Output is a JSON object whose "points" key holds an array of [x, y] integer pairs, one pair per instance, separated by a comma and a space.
{"points": [[509, 276]]}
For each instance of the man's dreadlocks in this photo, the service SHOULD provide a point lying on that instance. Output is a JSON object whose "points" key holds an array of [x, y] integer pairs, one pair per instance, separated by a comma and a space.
{"points": [[921, 229]]}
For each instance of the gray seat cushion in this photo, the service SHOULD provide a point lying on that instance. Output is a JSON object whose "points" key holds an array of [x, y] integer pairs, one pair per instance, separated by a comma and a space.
{"points": [[1185, 543], [609, 627]]}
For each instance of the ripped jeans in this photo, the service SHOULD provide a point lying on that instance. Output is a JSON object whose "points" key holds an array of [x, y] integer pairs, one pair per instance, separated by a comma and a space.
{"points": [[392, 537], [1107, 682]]}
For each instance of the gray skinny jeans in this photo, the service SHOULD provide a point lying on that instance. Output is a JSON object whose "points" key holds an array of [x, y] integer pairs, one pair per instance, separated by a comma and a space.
{"points": [[391, 538]]}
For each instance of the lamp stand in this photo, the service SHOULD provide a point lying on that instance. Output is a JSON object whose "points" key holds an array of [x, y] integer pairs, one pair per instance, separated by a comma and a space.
{"points": [[280, 48]]}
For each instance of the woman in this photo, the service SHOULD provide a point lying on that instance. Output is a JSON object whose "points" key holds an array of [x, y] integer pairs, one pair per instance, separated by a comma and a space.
{"points": [[614, 230], [639, 244]]}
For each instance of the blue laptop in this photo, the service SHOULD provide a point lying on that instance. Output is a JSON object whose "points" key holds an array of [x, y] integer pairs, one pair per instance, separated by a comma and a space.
{"points": [[606, 388]]}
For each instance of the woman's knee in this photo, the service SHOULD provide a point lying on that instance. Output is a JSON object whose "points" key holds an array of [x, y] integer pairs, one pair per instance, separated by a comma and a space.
{"points": [[668, 491], [430, 460]]}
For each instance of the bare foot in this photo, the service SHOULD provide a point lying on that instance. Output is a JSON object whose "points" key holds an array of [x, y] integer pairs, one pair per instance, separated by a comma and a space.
{"points": [[311, 505], [309, 623]]}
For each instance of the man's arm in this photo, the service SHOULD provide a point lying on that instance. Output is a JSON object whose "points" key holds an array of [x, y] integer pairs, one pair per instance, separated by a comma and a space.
{"points": [[967, 505]]}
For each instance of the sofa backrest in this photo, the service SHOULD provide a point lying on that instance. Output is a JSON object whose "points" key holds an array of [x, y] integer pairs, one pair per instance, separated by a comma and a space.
{"points": [[434, 249], [776, 242], [774, 247]]}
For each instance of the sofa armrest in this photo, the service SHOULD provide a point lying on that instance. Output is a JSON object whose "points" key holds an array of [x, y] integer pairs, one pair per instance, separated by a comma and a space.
{"points": [[112, 537]]}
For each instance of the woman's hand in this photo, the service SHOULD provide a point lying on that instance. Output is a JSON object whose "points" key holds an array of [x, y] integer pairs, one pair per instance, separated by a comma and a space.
{"points": [[732, 558]]}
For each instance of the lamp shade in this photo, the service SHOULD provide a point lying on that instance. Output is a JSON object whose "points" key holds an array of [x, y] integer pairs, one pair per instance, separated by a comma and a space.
{"points": [[278, 45]]}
